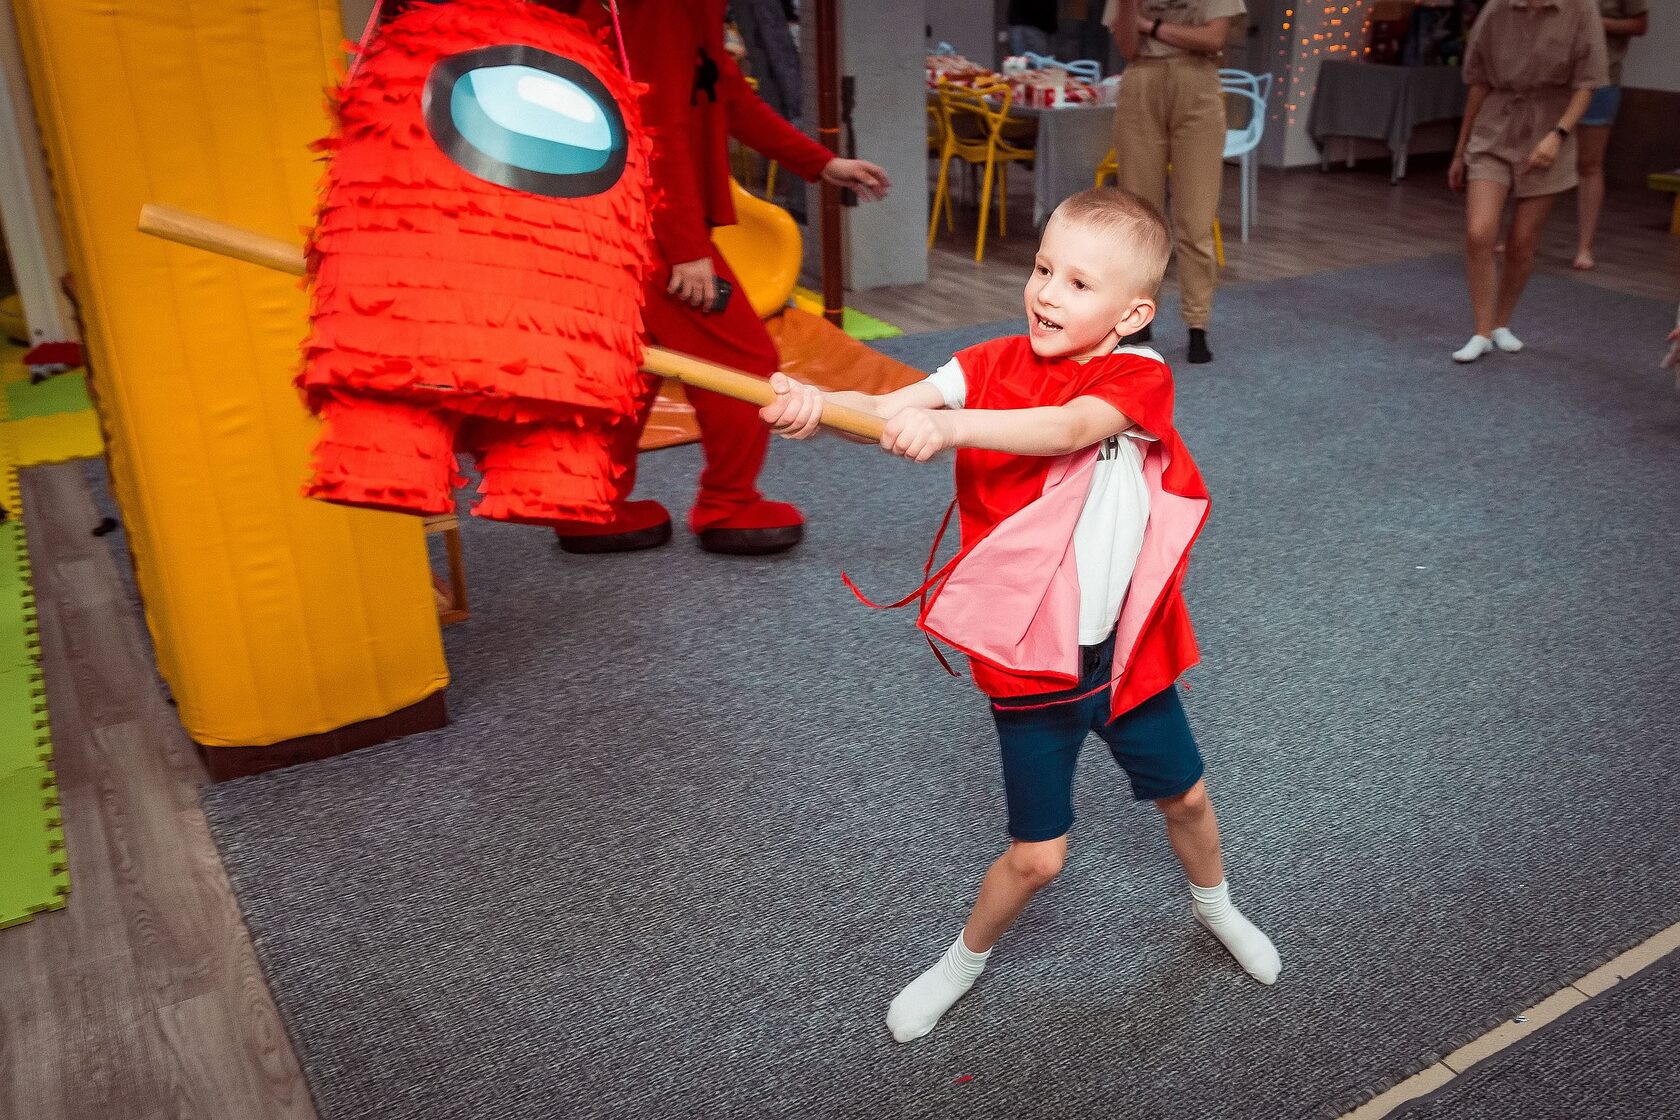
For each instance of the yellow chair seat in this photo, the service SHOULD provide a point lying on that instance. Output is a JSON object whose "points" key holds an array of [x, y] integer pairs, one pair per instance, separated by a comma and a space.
{"points": [[764, 248]]}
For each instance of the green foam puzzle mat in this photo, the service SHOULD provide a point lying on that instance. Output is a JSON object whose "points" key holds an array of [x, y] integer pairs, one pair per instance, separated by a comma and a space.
{"points": [[34, 875], [66, 392], [864, 328]]}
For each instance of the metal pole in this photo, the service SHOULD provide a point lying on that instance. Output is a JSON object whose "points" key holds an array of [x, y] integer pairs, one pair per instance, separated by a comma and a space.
{"points": [[828, 132]]}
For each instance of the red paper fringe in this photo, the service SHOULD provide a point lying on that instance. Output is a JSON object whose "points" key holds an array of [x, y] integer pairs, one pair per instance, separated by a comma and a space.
{"points": [[439, 297]]}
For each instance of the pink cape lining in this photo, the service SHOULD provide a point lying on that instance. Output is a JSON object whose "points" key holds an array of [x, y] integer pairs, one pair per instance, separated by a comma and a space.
{"points": [[1012, 600]]}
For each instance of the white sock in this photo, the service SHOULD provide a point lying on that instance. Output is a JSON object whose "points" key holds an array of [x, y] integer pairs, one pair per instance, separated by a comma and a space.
{"points": [[1253, 949], [917, 1008], [1505, 340], [1478, 345]]}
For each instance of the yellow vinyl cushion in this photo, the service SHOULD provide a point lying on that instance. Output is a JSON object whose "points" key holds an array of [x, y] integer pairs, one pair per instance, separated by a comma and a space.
{"points": [[273, 617]]}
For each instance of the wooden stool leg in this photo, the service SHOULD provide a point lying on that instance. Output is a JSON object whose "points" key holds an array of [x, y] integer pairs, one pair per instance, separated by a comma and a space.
{"points": [[458, 610], [451, 596]]}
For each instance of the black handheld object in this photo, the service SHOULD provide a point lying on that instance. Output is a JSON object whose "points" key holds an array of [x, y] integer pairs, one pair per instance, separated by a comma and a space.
{"points": [[724, 290]]}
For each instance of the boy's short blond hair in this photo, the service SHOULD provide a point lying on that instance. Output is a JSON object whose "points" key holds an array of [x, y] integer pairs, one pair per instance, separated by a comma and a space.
{"points": [[1132, 221]]}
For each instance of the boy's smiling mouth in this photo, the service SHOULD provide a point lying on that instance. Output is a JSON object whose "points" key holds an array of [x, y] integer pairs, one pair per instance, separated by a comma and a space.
{"points": [[1044, 324]]}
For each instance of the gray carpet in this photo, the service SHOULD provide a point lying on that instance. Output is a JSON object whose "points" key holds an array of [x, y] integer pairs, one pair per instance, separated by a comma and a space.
{"points": [[1616, 1057], [698, 819]]}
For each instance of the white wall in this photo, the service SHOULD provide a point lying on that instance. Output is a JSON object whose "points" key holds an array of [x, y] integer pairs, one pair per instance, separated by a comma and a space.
{"points": [[1303, 34], [881, 47], [1653, 59]]}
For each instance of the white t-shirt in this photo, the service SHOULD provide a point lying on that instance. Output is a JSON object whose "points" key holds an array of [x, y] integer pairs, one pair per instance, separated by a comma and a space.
{"points": [[1109, 533]]}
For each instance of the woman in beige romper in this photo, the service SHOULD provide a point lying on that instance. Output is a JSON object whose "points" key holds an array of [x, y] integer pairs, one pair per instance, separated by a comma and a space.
{"points": [[1171, 112], [1531, 66]]}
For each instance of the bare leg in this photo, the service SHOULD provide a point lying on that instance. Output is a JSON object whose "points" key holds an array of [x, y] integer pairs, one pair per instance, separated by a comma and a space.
{"points": [[1589, 197], [1520, 249], [1484, 203], [1013, 879], [1193, 831]]}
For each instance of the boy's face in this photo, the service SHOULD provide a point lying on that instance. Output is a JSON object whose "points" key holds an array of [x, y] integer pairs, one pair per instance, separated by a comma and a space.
{"points": [[1082, 297]]}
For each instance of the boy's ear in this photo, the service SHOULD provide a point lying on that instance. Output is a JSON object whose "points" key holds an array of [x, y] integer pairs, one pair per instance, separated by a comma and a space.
{"points": [[1139, 315]]}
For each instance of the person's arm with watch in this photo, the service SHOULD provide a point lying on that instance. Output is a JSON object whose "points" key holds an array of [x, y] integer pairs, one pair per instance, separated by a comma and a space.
{"points": [[1547, 150], [1200, 38]]}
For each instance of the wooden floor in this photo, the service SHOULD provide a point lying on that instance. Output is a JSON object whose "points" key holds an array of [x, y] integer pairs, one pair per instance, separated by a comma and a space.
{"points": [[143, 998], [1309, 221]]}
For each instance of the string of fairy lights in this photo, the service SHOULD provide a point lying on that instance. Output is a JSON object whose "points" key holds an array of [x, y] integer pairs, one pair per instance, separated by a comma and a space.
{"points": [[1308, 36]]}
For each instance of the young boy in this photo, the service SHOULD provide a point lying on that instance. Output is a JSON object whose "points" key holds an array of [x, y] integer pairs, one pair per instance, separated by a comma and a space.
{"points": [[1078, 506]]}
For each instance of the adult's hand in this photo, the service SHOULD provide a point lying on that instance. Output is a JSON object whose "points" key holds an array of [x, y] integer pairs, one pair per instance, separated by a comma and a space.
{"points": [[1455, 173], [1544, 152], [868, 180], [694, 282]]}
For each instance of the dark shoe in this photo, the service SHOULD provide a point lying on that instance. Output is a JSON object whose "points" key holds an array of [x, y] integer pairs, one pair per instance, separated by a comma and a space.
{"points": [[638, 525], [760, 529], [1146, 335], [1199, 351]]}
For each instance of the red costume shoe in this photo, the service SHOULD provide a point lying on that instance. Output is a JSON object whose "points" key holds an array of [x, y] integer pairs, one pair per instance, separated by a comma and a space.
{"points": [[635, 526], [759, 529]]}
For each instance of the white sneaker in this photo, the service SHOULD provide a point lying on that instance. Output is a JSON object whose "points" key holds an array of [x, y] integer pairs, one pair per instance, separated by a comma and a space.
{"points": [[1478, 345], [1505, 340]]}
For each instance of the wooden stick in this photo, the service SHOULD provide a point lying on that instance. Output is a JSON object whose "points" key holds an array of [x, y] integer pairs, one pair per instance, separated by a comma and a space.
{"points": [[218, 237], [270, 252], [699, 374]]}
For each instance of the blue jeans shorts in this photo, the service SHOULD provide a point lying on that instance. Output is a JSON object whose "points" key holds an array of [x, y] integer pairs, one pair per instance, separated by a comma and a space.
{"points": [[1601, 110], [1152, 743]]}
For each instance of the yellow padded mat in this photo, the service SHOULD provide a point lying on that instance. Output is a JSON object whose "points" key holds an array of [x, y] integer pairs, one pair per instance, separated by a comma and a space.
{"points": [[273, 617]]}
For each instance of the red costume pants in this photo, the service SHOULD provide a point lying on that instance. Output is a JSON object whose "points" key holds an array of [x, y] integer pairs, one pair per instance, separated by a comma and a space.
{"points": [[732, 437]]}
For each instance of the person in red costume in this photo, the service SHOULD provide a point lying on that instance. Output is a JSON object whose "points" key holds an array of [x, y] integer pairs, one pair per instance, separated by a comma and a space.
{"points": [[696, 101], [1079, 503]]}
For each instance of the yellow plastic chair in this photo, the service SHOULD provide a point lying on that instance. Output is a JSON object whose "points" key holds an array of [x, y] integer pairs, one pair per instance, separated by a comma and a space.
{"points": [[763, 248], [979, 131], [1109, 168], [936, 148]]}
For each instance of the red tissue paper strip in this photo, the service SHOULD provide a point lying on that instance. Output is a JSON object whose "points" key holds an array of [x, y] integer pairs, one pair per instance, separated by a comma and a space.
{"points": [[453, 314], [65, 354]]}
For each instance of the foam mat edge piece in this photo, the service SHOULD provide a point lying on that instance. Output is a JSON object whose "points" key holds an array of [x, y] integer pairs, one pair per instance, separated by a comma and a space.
{"points": [[35, 866]]}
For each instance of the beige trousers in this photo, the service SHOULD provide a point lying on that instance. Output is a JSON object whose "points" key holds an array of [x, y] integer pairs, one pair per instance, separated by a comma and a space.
{"points": [[1170, 112]]}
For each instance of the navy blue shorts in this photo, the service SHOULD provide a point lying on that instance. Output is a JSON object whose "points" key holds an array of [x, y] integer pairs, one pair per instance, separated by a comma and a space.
{"points": [[1601, 110], [1152, 743]]}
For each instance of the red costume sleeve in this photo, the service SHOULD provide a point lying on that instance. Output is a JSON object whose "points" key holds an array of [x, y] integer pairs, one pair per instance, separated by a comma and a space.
{"points": [[764, 130], [664, 61], [1139, 386]]}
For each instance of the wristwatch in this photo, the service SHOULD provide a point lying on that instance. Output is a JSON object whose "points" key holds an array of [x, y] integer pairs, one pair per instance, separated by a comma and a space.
{"points": [[1563, 133]]}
